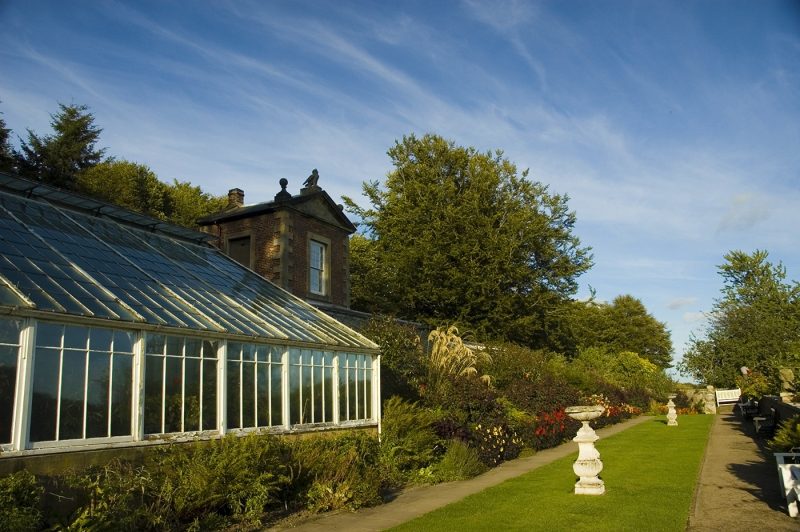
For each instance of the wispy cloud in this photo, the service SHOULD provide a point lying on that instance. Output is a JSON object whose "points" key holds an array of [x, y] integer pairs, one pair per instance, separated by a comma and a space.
{"points": [[680, 302]]}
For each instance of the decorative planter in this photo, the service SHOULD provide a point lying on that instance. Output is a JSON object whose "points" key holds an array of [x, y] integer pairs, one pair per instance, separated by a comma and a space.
{"points": [[588, 464], [672, 415]]}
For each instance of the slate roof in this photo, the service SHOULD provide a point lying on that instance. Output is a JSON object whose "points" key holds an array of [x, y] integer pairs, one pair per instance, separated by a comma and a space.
{"points": [[65, 254]]}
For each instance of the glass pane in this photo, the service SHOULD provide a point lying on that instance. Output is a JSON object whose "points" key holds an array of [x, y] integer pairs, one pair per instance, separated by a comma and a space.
{"points": [[153, 387], [262, 378], [248, 394], [294, 395], [175, 346], [122, 384], [234, 389], [294, 356], [45, 394], [352, 392], [173, 389], [318, 395], [209, 394], [306, 395], [73, 376], [343, 395], [97, 393], [328, 358], [234, 351], [210, 348], [48, 334], [248, 352], [317, 358], [276, 391], [276, 355], [155, 344], [193, 346], [75, 337], [123, 342], [8, 384], [328, 385], [100, 339], [262, 352], [191, 409], [9, 331], [368, 394], [307, 356]]}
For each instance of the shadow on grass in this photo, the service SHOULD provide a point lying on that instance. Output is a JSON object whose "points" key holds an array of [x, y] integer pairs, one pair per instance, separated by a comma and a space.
{"points": [[759, 474]]}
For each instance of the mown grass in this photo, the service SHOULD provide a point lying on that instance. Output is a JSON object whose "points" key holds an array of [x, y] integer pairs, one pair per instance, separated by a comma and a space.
{"points": [[650, 471]]}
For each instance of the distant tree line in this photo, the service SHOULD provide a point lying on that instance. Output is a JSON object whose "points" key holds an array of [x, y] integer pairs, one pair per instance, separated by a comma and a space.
{"points": [[69, 158]]}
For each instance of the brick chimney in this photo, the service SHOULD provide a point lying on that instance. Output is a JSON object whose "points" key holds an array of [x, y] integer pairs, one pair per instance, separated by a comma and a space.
{"points": [[235, 198]]}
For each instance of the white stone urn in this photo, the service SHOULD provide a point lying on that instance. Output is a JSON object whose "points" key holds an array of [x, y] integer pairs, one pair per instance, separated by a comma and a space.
{"points": [[588, 464], [672, 415]]}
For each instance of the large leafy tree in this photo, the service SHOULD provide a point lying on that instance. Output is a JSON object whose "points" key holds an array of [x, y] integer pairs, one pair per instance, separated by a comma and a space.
{"points": [[58, 158], [185, 203], [624, 325], [127, 184], [755, 323], [457, 235]]}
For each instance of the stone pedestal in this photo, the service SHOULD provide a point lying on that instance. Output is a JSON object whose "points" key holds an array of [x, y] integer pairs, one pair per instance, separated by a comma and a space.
{"points": [[588, 464], [672, 415]]}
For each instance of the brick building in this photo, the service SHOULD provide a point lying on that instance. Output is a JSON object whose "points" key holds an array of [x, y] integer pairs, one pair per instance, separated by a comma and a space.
{"points": [[301, 243]]}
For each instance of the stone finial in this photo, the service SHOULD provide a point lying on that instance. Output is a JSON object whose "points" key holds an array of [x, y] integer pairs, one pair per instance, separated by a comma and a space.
{"points": [[235, 198], [283, 194]]}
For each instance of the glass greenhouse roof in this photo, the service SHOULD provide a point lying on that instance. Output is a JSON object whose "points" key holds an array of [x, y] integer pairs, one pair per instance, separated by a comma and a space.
{"points": [[127, 267]]}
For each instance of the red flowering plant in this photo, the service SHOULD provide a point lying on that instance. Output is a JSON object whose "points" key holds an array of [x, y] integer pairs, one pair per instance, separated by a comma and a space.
{"points": [[553, 428]]}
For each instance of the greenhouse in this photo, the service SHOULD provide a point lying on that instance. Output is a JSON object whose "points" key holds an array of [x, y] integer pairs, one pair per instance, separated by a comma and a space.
{"points": [[117, 329]]}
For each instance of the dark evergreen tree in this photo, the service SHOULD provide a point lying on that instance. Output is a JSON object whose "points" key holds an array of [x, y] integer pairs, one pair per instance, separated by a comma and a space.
{"points": [[6, 151], [57, 159]]}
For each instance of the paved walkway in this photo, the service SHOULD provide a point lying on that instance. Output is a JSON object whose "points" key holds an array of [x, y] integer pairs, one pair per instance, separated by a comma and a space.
{"points": [[420, 500], [738, 485], [737, 489]]}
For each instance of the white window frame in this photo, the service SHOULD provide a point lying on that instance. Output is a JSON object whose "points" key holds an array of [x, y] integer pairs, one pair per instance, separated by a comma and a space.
{"points": [[270, 365], [322, 270]]}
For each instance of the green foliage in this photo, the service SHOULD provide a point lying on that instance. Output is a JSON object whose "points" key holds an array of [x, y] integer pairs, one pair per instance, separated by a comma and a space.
{"points": [[756, 323], [458, 235], [185, 203], [787, 436], [205, 485], [408, 438], [624, 325], [402, 356], [57, 159], [338, 472], [496, 442], [450, 360], [624, 370], [754, 385], [459, 462], [7, 154], [20, 499], [130, 185]]}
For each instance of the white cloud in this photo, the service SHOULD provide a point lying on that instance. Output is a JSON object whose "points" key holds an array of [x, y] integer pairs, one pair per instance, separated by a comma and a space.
{"points": [[746, 210], [680, 302], [694, 317]]}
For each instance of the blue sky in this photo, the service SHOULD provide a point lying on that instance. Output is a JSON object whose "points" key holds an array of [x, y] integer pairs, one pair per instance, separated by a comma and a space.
{"points": [[674, 127]]}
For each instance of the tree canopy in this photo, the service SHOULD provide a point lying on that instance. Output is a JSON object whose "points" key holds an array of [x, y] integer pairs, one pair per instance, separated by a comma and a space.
{"points": [[624, 325], [6, 151], [755, 323], [457, 235], [58, 158]]}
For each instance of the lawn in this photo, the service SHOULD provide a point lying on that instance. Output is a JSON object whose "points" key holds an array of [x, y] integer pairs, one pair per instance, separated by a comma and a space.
{"points": [[650, 471]]}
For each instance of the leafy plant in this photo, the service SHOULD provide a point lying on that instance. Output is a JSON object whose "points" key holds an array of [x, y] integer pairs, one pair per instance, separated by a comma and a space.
{"points": [[408, 438], [20, 498], [787, 436], [450, 358], [459, 462], [754, 385]]}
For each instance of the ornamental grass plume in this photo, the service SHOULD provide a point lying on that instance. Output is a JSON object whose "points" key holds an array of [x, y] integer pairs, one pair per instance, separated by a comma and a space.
{"points": [[451, 358]]}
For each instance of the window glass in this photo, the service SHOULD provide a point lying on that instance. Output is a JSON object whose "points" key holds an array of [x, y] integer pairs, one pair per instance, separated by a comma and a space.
{"points": [[316, 270], [44, 406], [180, 385], [9, 355], [97, 412], [252, 374]]}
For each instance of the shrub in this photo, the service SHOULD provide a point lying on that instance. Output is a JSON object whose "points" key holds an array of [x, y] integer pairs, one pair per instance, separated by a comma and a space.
{"points": [[459, 462], [402, 356], [496, 442], [408, 438], [338, 472], [787, 436], [20, 498]]}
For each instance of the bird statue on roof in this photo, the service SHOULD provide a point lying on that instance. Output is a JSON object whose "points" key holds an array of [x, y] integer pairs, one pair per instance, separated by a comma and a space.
{"points": [[311, 181]]}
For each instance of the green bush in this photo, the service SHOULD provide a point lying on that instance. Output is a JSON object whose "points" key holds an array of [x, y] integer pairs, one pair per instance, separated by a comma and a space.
{"points": [[338, 472], [408, 438], [20, 498], [459, 462], [402, 356], [787, 436]]}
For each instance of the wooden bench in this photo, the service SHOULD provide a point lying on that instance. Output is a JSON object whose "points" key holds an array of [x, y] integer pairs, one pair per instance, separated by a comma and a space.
{"points": [[789, 479], [747, 409], [766, 424], [725, 397]]}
